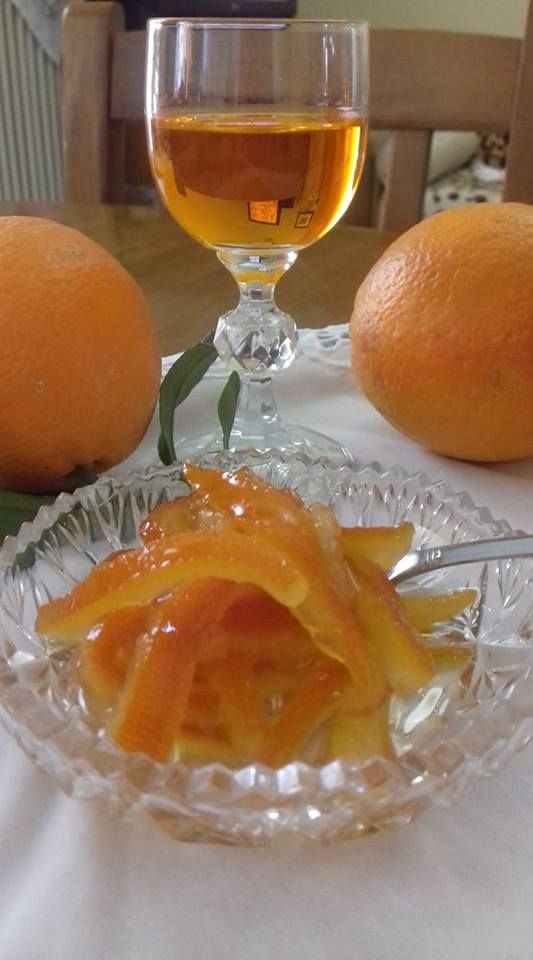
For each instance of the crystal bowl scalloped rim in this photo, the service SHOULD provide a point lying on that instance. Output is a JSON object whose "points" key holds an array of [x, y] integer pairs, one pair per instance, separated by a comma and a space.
{"points": [[447, 737]]}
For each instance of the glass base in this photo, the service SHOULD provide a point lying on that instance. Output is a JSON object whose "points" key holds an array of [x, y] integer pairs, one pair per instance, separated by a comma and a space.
{"points": [[309, 445]]}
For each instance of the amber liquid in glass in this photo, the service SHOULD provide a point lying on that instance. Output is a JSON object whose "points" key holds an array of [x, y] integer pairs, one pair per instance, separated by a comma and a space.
{"points": [[244, 180]]}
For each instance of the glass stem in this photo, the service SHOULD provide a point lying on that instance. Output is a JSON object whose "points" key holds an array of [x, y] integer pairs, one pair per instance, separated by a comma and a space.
{"points": [[257, 339], [257, 417]]}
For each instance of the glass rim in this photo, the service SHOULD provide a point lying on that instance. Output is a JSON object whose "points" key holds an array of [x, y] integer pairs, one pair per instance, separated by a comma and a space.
{"points": [[234, 22]]}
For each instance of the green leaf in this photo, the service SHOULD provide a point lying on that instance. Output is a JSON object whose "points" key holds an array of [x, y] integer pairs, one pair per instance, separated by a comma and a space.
{"points": [[16, 508], [163, 452], [27, 502], [182, 377], [227, 406]]}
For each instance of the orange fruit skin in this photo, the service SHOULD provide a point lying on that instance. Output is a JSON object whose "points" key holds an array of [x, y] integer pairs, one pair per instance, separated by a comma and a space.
{"points": [[80, 358], [442, 333]]}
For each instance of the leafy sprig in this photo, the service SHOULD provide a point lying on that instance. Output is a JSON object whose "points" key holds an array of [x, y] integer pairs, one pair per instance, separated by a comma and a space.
{"points": [[187, 371], [227, 406]]}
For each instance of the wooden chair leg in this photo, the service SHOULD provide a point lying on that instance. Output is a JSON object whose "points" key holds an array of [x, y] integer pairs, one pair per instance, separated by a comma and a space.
{"points": [[401, 203], [519, 172], [89, 138]]}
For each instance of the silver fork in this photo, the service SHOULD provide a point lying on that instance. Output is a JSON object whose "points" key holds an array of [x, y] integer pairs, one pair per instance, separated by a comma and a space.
{"points": [[415, 562]]}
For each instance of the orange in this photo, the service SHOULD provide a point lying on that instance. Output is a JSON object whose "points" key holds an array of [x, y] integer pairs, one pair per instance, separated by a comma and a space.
{"points": [[80, 360], [442, 332]]}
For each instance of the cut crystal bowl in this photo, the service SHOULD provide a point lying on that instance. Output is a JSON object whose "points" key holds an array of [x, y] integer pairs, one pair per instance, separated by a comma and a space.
{"points": [[460, 728]]}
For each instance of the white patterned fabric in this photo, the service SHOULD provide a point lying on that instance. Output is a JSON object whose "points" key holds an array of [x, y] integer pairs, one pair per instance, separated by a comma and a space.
{"points": [[30, 140], [449, 150], [473, 183]]}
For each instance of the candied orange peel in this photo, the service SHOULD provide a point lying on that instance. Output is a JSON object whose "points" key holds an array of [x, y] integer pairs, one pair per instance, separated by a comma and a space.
{"points": [[248, 627]]}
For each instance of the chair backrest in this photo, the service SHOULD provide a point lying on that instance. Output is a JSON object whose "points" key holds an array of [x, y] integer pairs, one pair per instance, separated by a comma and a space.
{"points": [[423, 81], [420, 81]]}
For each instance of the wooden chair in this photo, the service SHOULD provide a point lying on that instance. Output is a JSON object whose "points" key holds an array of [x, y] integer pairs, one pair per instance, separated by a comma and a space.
{"points": [[423, 81], [420, 81]]}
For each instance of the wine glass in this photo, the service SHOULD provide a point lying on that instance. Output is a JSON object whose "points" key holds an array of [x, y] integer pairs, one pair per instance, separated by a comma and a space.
{"points": [[257, 132]]}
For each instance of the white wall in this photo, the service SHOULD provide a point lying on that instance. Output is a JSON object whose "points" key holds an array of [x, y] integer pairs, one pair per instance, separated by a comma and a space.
{"points": [[504, 17]]}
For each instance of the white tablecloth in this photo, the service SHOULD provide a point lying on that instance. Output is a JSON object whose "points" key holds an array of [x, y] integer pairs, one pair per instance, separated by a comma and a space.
{"points": [[458, 883]]}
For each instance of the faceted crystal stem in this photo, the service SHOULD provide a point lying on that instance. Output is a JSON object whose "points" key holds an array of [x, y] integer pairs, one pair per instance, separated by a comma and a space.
{"points": [[256, 339]]}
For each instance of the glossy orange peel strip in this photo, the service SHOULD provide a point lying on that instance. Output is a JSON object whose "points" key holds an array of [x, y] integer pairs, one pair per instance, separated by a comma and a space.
{"points": [[259, 628], [378, 608], [106, 653], [153, 703], [241, 711], [243, 497], [137, 577], [195, 746], [357, 738], [425, 610], [382, 545], [167, 519], [314, 700], [328, 618]]}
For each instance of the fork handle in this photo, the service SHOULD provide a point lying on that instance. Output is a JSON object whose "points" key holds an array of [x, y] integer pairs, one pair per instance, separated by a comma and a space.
{"points": [[432, 558]]}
